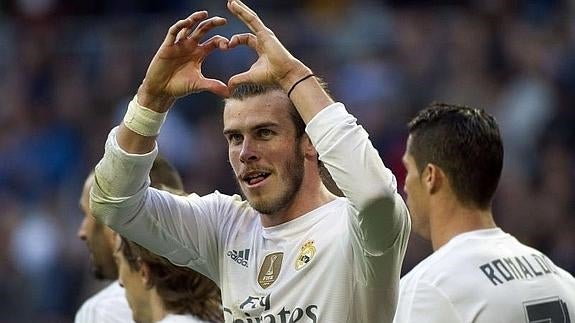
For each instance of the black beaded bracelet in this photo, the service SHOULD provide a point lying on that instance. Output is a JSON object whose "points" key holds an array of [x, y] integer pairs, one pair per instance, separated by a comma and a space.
{"points": [[298, 82]]}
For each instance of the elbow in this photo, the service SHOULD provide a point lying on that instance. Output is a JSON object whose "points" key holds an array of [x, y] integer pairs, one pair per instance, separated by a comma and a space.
{"points": [[383, 192], [106, 209], [379, 206], [101, 211]]}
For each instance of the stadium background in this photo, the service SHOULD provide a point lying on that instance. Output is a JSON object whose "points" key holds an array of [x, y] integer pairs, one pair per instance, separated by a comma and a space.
{"points": [[68, 68]]}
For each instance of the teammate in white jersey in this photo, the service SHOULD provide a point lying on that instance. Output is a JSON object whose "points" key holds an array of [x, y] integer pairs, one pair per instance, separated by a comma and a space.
{"points": [[159, 291], [291, 251], [109, 305], [477, 273]]}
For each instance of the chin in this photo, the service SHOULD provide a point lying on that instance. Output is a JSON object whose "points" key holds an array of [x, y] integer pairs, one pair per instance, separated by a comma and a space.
{"points": [[257, 205], [254, 199], [98, 273], [422, 233]]}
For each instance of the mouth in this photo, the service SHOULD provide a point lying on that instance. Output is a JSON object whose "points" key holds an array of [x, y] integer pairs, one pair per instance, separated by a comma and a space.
{"points": [[255, 178]]}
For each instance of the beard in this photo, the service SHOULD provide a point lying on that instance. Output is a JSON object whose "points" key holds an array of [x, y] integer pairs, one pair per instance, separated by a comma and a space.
{"points": [[98, 272], [103, 265], [283, 197]]}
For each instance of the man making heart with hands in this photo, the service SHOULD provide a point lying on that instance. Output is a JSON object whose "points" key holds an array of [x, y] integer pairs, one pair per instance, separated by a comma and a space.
{"points": [[287, 249]]}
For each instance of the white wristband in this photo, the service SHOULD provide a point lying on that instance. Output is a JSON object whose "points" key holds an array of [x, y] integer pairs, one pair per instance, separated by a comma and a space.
{"points": [[142, 120]]}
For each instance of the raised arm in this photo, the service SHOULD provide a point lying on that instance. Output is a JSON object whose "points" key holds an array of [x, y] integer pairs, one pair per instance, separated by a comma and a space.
{"points": [[342, 144], [120, 197], [175, 71], [276, 65]]}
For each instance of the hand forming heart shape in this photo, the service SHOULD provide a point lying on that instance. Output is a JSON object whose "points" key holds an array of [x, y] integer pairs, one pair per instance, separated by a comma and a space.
{"points": [[175, 70]]}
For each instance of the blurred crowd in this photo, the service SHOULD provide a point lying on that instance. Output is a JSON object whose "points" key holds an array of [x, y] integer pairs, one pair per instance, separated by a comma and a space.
{"points": [[68, 69]]}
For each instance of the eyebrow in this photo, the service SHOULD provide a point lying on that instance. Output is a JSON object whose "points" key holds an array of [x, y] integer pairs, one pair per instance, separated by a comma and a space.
{"points": [[230, 131], [256, 127]]}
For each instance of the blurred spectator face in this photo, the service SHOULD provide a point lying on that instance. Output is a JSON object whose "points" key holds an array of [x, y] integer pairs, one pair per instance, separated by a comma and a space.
{"points": [[416, 195], [98, 237], [135, 283]]}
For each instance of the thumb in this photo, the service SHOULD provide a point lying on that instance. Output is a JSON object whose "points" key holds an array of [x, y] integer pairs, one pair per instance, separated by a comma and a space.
{"points": [[238, 79], [217, 87]]}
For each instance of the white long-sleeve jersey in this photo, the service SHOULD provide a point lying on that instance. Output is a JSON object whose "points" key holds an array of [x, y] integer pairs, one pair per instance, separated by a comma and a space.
{"points": [[107, 306], [486, 276], [336, 263]]}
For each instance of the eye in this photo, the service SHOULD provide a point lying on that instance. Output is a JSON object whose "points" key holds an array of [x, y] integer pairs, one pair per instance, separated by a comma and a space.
{"points": [[265, 133], [235, 138]]}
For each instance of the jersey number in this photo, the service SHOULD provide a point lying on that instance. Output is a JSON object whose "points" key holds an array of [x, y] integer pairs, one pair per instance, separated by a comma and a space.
{"points": [[552, 310]]}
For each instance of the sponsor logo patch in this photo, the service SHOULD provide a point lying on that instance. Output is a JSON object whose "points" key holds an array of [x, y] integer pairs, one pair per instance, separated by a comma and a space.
{"points": [[258, 309]]}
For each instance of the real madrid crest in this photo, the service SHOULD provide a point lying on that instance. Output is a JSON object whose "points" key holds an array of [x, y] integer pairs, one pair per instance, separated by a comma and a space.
{"points": [[306, 253]]}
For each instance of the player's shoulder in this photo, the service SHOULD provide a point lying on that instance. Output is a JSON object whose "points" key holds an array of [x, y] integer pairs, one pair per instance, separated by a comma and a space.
{"points": [[426, 271], [457, 258], [229, 203], [108, 305], [232, 213]]}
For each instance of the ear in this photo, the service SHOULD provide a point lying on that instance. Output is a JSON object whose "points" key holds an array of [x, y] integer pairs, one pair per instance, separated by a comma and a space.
{"points": [[111, 236], [145, 275], [307, 147], [433, 178]]}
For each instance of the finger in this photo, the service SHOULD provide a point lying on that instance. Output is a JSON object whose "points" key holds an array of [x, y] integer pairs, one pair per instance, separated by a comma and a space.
{"points": [[239, 78], [243, 39], [244, 6], [205, 26], [246, 15], [182, 34], [217, 87], [216, 41], [178, 26]]}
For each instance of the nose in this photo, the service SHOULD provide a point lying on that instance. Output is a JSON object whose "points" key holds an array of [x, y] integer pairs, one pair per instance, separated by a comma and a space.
{"points": [[249, 151], [82, 230]]}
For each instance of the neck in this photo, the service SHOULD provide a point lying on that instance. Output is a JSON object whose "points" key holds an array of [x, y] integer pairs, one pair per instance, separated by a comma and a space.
{"points": [[157, 307], [309, 197], [451, 218]]}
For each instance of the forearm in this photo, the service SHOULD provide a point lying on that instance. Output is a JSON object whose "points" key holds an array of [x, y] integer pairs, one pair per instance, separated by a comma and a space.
{"points": [[173, 226], [357, 169], [306, 93], [347, 152], [128, 139], [134, 143], [121, 179]]}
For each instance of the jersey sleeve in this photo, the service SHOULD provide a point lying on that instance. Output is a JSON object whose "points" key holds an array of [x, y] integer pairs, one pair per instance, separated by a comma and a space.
{"points": [[359, 172], [422, 302], [182, 229]]}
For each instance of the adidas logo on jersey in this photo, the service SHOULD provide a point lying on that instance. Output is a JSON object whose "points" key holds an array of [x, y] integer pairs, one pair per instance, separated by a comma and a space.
{"points": [[241, 257]]}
